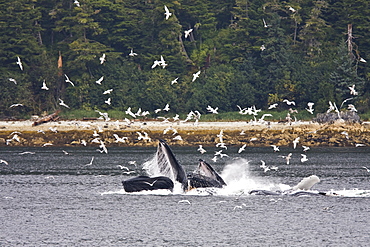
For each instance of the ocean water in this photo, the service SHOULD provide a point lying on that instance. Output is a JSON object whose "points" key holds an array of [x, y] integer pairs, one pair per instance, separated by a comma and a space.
{"points": [[49, 198]]}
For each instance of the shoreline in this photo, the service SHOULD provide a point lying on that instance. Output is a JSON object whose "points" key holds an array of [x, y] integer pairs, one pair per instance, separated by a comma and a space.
{"points": [[71, 133]]}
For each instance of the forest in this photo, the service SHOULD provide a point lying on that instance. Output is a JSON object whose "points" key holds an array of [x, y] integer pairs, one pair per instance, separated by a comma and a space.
{"points": [[114, 54]]}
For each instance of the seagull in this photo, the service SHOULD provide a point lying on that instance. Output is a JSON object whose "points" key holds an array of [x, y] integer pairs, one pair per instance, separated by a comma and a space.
{"points": [[174, 81], [166, 108], [19, 62], [352, 90], [304, 158], [292, 9], [103, 147], [162, 62], [167, 13], [108, 101], [123, 167], [362, 60], [91, 161], [68, 80], [4, 161], [177, 138], [360, 145], [214, 159], [108, 91], [264, 167], [242, 148], [129, 172], [287, 158], [196, 75], [367, 169], [262, 48], [143, 137], [184, 201], [15, 105], [221, 135], [83, 142], [13, 80], [344, 101], [53, 129], [129, 112], [62, 103], [120, 139], [305, 148], [295, 142], [221, 145], [151, 184], [155, 64], [132, 53], [65, 152], [276, 148], [187, 32], [264, 23], [44, 87], [212, 110], [102, 58], [310, 109], [289, 102], [351, 107], [26, 152], [100, 80], [273, 106], [77, 3], [201, 149]]}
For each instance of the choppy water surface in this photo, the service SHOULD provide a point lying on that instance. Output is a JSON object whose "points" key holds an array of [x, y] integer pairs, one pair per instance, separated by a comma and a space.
{"points": [[50, 198]]}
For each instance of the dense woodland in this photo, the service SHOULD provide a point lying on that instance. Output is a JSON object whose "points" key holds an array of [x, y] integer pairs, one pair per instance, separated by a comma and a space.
{"points": [[249, 52]]}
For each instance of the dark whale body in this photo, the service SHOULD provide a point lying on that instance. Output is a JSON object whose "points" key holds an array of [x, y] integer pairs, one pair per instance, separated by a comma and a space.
{"points": [[147, 183], [166, 163]]}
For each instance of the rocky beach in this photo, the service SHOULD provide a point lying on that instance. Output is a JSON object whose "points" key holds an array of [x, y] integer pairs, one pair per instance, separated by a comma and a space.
{"points": [[145, 133]]}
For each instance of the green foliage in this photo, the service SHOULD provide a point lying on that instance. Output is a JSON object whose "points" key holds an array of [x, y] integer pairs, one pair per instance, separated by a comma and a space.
{"points": [[305, 58]]}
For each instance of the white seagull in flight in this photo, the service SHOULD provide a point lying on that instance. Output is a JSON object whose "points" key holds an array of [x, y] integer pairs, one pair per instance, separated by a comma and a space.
{"points": [[19, 62], [100, 80], [44, 87], [132, 53], [196, 75], [102, 58], [187, 32], [13, 80], [108, 91], [68, 80], [167, 13], [62, 103], [174, 81]]}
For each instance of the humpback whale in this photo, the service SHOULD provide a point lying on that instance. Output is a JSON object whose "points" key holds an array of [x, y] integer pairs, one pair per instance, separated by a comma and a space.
{"points": [[170, 171], [299, 190], [204, 176]]}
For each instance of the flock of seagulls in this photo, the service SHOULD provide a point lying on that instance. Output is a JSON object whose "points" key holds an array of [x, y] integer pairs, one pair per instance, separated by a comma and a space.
{"points": [[192, 115]]}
